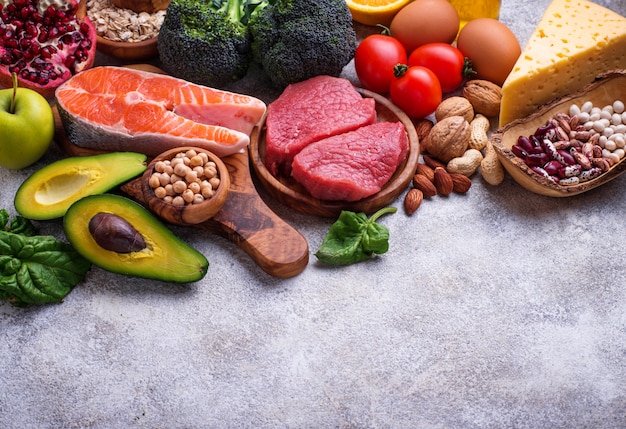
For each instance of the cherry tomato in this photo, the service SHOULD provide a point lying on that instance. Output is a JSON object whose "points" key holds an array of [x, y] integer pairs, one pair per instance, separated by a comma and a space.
{"points": [[416, 90], [374, 60], [446, 61]]}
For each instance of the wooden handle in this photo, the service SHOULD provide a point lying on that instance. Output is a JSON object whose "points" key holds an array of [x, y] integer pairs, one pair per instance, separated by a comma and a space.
{"points": [[274, 245]]}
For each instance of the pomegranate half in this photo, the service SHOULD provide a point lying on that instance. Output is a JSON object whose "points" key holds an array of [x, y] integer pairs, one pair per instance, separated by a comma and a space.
{"points": [[44, 43]]}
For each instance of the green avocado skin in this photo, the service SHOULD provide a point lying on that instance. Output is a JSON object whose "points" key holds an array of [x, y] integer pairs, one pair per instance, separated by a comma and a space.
{"points": [[51, 190], [165, 256]]}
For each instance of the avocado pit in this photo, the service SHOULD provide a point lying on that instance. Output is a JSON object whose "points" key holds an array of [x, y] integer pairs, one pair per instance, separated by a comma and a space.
{"points": [[111, 232]]}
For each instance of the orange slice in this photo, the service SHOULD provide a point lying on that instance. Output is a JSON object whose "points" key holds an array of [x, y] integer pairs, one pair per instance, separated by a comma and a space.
{"points": [[374, 12]]}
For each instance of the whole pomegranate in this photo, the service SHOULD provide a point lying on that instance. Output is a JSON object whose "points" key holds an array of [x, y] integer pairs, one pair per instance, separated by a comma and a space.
{"points": [[44, 43]]}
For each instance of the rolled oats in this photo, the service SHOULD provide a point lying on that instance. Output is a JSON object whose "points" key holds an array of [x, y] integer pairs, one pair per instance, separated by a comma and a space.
{"points": [[123, 25]]}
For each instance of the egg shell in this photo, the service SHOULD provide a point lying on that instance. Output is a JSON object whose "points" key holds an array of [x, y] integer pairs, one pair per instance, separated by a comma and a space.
{"points": [[425, 21], [492, 48]]}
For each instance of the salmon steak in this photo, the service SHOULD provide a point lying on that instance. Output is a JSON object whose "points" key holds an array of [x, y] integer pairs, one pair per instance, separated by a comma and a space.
{"points": [[123, 109]]}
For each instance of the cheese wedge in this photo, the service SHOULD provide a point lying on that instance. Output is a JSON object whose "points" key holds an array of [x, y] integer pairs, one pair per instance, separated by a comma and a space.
{"points": [[574, 42]]}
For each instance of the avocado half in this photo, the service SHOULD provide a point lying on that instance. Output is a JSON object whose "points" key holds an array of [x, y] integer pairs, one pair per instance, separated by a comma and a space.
{"points": [[160, 256], [50, 191]]}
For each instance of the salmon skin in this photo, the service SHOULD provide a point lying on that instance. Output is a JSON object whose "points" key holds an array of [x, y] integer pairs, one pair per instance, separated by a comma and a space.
{"points": [[123, 109]]}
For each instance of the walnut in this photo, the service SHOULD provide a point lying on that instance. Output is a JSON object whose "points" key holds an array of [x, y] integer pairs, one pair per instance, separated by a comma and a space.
{"points": [[485, 96], [455, 106], [449, 138]]}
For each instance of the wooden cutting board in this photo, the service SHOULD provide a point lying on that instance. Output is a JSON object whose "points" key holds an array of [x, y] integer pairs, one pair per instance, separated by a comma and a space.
{"points": [[275, 246]]}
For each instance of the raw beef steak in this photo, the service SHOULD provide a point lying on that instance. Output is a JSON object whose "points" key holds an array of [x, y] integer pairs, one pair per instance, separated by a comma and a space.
{"points": [[309, 111], [353, 165]]}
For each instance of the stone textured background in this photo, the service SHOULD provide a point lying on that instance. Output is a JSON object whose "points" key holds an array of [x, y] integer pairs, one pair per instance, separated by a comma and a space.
{"points": [[495, 309]]}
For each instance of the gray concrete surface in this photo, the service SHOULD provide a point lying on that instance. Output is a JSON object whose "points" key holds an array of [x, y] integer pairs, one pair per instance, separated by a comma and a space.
{"points": [[496, 309]]}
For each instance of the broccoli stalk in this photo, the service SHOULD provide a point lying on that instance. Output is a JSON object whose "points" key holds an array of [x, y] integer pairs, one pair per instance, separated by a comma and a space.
{"points": [[207, 42], [294, 40]]}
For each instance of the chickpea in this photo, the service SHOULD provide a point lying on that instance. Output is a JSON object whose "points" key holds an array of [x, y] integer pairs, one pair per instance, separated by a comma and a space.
{"points": [[180, 169], [179, 186], [215, 182], [188, 178], [164, 178], [196, 161], [155, 180], [160, 166], [210, 171], [195, 187], [191, 176], [160, 192]]}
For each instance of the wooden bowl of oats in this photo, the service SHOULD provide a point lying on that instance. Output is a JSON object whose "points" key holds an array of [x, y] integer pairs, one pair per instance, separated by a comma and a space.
{"points": [[123, 33]]}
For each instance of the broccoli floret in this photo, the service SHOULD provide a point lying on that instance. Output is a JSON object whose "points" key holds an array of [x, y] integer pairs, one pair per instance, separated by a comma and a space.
{"points": [[206, 41], [294, 40]]}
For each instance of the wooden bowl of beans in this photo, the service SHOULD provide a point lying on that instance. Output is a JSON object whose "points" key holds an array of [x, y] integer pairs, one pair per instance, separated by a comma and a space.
{"points": [[186, 185], [572, 144]]}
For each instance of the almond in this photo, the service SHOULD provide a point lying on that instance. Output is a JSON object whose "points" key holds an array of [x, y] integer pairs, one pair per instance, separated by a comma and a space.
{"points": [[432, 162], [443, 182], [422, 128], [412, 200], [424, 184], [426, 171], [460, 183]]}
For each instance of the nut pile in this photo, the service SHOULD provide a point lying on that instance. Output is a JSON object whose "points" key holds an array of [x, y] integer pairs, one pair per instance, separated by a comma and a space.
{"points": [[576, 147], [457, 145], [188, 178], [123, 25]]}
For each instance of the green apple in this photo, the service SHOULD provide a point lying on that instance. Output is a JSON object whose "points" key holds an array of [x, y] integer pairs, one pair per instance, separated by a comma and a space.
{"points": [[26, 126]]}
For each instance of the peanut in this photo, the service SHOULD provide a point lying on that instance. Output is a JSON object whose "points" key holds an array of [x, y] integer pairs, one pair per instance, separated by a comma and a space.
{"points": [[467, 164], [490, 167], [478, 132]]}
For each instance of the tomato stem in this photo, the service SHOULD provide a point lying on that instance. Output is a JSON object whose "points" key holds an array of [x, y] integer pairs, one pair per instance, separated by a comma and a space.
{"points": [[399, 70], [467, 68]]}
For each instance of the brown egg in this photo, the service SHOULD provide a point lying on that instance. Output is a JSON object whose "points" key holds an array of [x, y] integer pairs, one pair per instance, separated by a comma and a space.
{"points": [[425, 21], [492, 48]]}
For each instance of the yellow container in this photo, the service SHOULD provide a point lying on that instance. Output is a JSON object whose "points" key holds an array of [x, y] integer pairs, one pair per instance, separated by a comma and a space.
{"points": [[472, 9]]}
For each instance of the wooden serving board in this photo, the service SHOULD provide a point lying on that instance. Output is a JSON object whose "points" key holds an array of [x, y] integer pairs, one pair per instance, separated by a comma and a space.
{"points": [[275, 246]]}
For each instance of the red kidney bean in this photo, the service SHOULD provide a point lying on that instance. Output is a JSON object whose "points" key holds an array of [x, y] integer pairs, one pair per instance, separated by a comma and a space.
{"points": [[567, 158], [537, 159], [552, 167], [569, 171]]}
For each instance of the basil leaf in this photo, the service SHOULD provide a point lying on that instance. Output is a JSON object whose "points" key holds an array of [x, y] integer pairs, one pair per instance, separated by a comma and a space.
{"points": [[353, 238], [38, 269]]}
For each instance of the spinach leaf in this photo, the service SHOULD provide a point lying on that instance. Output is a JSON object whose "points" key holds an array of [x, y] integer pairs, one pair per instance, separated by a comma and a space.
{"points": [[18, 225], [354, 237], [36, 269]]}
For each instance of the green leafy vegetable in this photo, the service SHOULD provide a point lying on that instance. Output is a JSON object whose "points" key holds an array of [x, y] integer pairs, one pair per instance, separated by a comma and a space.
{"points": [[19, 224], [354, 238], [35, 269]]}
